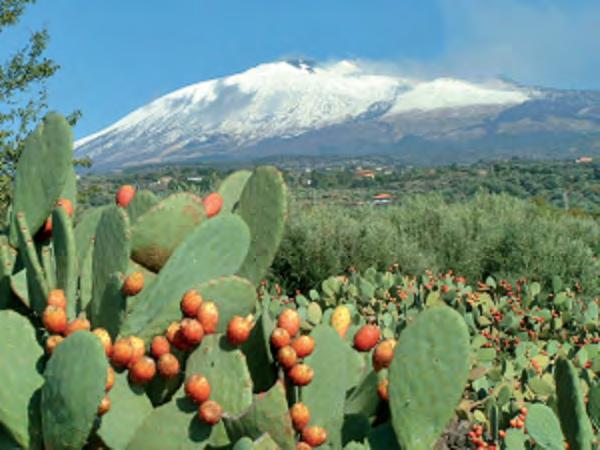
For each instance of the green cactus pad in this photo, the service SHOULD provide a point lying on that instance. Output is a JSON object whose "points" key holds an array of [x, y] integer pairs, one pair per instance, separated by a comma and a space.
{"points": [[158, 232], [7, 262], [226, 371], [594, 404], [383, 436], [48, 263], [42, 172], [231, 189], [86, 280], [263, 206], [325, 395], [427, 376], [37, 286], [75, 380], [69, 191], [19, 359], [268, 414], [175, 425], [142, 202], [265, 442], [18, 284], [129, 407], [85, 231], [258, 352], [571, 407], [109, 312], [214, 249], [543, 426], [63, 242], [111, 252], [364, 398]]}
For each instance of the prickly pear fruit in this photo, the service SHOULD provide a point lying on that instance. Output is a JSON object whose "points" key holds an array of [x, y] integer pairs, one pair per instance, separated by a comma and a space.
{"points": [[192, 331], [104, 406], [110, 379], [197, 388], [122, 353], [301, 374], [176, 338], [168, 366], [208, 315], [238, 330], [289, 320], [304, 346], [280, 338], [124, 195], [366, 338], [159, 346], [212, 204], [341, 319], [133, 284], [190, 303], [300, 416], [382, 390], [55, 319], [286, 356], [66, 204], [143, 370], [314, 436], [81, 323], [210, 412], [303, 446], [56, 297], [383, 354], [139, 349], [45, 232], [105, 339], [52, 342]]}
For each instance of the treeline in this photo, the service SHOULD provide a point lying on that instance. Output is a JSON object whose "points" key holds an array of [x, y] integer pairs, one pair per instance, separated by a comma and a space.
{"points": [[496, 235]]}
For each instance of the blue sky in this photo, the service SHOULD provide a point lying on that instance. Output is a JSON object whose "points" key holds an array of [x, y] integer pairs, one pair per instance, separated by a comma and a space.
{"points": [[117, 55]]}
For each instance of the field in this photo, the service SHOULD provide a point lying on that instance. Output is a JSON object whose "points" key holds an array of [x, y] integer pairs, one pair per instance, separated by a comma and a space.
{"points": [[195, 307]]}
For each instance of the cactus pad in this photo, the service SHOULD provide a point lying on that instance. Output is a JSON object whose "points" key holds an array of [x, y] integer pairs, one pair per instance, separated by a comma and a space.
{"points": [[543, 426], [63, 241], [231, 189], [427, 376], [143, 201], [75, 380]]}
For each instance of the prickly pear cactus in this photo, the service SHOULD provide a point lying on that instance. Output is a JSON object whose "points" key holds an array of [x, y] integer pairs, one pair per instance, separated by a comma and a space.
{"points": [[544, 427], [427, 376]]}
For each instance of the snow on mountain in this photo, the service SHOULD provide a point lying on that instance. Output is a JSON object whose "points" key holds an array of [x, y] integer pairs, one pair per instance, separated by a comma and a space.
{"points": [[278, 100]]}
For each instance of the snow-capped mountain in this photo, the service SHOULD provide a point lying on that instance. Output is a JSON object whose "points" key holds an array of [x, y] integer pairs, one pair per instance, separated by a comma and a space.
{"points": [[344, 108]]}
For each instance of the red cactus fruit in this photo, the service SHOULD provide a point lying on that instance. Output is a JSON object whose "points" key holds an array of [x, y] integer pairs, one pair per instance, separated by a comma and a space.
{"points": [[341, 319], [190, 303], [197, 388], [289, 319], [133, 284], [45, 232], [210, 412], [159, 346], [143, 370], [110, 379], [139, 349], [382, 389], [121, 353], [105, 340], [124, 195], [208, 315], [52, 342], [238, 330], [280, 338], [286, 356], [303, 446], [213, 203], [304, 346], [104, 406], [176, 338], [56, 297], [168, 366], [383, 354], [192, 331], [66, 204], [81, 323], [301, 374], [55, 319], [314, 436], [300, 416], [366, 338]]}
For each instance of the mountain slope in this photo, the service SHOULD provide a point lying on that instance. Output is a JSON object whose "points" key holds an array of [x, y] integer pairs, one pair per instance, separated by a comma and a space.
{"points": [[301, 108]]}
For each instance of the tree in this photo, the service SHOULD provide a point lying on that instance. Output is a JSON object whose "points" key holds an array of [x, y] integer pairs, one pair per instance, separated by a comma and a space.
{"points": [[23, 92]]}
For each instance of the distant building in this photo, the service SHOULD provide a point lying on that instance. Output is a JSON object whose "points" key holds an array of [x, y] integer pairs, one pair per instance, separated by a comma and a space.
{"points": [[584, 160], [382, 199], [366, 174], [194, 179]]}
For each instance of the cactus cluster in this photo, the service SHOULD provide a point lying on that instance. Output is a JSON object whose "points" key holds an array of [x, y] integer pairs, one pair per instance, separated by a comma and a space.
{"points": [[146, 324]]}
